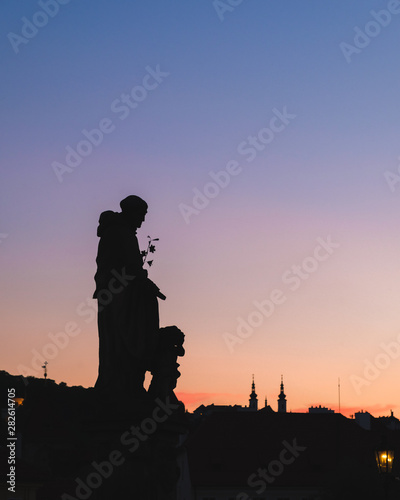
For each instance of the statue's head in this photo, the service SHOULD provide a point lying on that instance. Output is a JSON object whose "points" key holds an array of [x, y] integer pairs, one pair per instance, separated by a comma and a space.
{"points": [[171, 336], [134, 209]]}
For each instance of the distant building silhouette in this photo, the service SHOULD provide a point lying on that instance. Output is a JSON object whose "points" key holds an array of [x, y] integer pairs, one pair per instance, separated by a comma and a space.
{"points": [[320, 409], [206, 410], [262, 455], [245, 453], [282, 399], [253, 401], [365, 420], [391, 422]]}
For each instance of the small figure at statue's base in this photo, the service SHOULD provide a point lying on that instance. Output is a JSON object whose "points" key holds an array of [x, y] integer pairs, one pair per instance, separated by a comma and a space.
{"points": [[164, 366]]}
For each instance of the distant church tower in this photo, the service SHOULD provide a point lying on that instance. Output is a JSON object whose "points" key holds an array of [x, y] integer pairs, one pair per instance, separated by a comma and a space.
{"points": [[282, 399], [253, 401]]}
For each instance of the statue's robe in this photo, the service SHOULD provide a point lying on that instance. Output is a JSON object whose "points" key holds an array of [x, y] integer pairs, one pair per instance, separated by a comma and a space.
{"points": [[128, 319]]}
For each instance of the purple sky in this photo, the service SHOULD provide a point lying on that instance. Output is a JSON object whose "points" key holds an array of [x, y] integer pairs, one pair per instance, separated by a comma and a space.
{"points": [[291, 107]]}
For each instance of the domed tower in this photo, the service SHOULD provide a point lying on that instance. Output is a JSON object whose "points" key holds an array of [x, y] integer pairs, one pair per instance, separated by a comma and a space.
{"points": [[282, 399]]}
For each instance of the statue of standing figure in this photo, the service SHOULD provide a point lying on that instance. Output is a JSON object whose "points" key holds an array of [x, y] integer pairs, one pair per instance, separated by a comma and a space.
{"points": [[128, 318]]}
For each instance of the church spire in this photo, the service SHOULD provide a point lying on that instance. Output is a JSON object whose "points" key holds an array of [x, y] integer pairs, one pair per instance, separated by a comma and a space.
{"points": [[282, 399], [253, 401]]}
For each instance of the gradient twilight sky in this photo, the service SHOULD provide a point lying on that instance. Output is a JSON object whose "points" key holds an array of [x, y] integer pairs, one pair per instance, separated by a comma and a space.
{"points": [[224, 76]]}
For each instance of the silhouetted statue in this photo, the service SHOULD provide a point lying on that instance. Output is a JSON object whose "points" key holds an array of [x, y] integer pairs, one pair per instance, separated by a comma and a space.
{"points": [[164, 365], [128, 318]]}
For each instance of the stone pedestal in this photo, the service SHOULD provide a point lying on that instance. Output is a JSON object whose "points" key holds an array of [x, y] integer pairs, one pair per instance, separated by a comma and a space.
{"points": [[131, 450]]}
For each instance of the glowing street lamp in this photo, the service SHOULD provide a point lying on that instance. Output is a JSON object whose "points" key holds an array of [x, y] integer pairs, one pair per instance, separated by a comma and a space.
{"points": [[384, 459]]}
